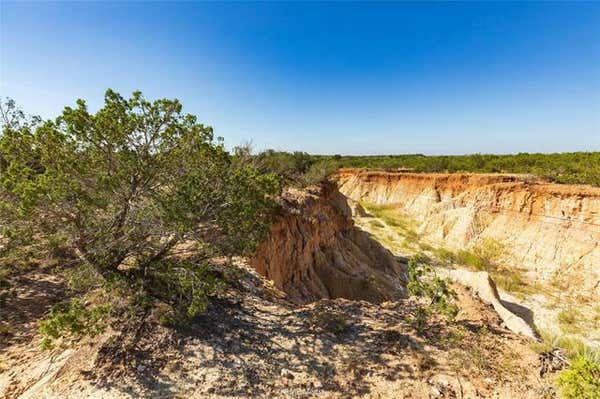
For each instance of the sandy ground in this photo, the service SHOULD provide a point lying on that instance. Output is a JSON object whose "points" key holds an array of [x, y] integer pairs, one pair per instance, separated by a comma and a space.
{"points": [[252, 343]]}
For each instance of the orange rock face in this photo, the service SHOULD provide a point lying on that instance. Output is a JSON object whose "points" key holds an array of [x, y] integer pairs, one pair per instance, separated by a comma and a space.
{"points": [[550, 230], [314, 251]]}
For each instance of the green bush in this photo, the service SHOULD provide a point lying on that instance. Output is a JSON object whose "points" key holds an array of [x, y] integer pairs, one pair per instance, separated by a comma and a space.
{"points": [[318, 172], [186, 285], [482, 257], [471, 259], [111, 194], [581, 380], [424, 282], [73, 318]]}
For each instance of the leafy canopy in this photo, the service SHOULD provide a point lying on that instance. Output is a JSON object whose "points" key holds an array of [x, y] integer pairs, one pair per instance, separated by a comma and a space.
{"points": [[118, 189]]}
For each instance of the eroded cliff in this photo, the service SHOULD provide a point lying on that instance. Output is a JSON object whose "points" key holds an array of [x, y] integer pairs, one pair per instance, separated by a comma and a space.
{"points": [[551, 231], [314, 251]]}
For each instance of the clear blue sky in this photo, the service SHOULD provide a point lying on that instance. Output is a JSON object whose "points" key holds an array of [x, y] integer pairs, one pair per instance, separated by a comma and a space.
{"points": [[435, 78]]}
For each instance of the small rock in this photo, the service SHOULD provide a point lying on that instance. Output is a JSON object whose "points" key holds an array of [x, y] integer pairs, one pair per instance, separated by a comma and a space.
{"points": [[141, 368], [287, 374]]}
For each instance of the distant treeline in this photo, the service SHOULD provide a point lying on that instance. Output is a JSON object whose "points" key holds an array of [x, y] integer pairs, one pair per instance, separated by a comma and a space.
{"points": [[568, 168]]}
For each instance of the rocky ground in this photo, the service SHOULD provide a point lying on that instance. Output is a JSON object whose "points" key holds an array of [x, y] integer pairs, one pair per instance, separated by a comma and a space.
{"points": [[252, 342]]}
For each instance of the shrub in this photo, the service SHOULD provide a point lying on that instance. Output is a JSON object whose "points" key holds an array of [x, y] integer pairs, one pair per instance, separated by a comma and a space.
{"points": [[581, 380], [318, 172], [489, 250], [129, 182], [570, 168], [297, 168], [73, 318], [186, 285], [117, 190], [424, 282]]}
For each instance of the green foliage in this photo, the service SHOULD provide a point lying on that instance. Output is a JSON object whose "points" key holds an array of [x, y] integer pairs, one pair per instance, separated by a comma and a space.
{"points": [[581, 380], [424, 282], [73, 318], [318, 172], [420, 319], [297, 168], [110, 194], [511, 280], [290, 166], [186, 285], [570, 346], [445, 256], [484, 256], [128, 182], [489, 250], [471, 259], [568, 168]]}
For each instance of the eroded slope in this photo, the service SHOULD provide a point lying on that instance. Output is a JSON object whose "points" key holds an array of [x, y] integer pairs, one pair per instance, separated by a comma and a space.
{"points": [[314, 251], [548, 235]]}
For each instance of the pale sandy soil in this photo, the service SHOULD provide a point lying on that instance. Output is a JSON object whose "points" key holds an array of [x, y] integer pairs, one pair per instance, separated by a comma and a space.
{"points": [[540, 306], [252, 343]]}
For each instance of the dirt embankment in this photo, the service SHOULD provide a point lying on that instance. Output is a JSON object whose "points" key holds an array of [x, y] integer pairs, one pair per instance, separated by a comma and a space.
{"points": [[552, 231], [252, 342], [314, 251]]}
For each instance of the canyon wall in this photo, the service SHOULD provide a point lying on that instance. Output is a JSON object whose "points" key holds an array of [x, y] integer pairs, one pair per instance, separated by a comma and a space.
{"points": [[314, 251], [552, 231]]}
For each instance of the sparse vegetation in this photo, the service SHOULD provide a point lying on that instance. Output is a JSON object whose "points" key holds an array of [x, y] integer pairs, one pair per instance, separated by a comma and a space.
{"points": [[75, 319], [444, 255], [570, 346], [424, 282], [376, 224], [568, 320], [387, 215], [471, 259], [581, 380], [481, 257], [511, 280]]}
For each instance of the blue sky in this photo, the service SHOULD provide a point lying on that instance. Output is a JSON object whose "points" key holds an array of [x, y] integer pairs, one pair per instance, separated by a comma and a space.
{"points": [[348, 78]]}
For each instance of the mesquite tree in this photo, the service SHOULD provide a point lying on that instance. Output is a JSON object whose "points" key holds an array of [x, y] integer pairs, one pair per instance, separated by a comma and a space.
{"points": [[122, 186]]}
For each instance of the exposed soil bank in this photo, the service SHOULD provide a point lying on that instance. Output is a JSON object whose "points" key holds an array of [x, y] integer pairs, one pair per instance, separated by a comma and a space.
{"points": [[314, 251], [551, 231]]}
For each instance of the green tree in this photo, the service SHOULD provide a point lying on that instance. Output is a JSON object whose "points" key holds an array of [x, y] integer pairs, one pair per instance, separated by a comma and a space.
{"points": [[120, 188]]}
